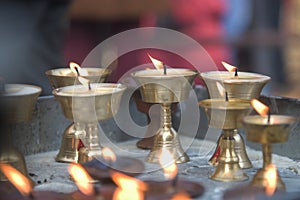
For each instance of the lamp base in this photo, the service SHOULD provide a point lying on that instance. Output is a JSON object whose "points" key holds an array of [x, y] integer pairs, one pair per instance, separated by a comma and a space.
{"points": [[259, 180]]}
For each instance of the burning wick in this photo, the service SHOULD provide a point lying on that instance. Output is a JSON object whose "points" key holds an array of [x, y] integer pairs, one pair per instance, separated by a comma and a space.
{"points": [[74, 68], [85, 81], [261, 108], [158, 64], [230, 68], [82, 179], [169, 166], [21, 182], [128, 187]]}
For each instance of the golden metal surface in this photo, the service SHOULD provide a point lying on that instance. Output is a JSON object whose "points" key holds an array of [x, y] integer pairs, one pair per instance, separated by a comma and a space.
{"points": [[86, 110], [167, 138], [247, 86], [228, 169], [165, 90], [62, 77], [226, 115], [259, 130], [19, 102]]}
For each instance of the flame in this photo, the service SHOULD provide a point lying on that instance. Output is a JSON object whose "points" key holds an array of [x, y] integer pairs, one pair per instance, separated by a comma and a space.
{"points": [[21, 182], [84, 81], [181, 196], [75, 67], [157, 63], [261, 108], [221, 89], [270, 179], [229, 67], [129, 188], [82, 179], [126, 194], [168, 164], [108, 154]]}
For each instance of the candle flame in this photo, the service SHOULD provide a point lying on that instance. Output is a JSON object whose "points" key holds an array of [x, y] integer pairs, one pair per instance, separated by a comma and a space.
{"points": [[229, 67], [76, 69], [157, 63], [128, 188], [261, 108], [82, 179], [221, 89], [84, 81], [168, 164], [108, 154], [270, 179], [21, 182], [181, 196]]}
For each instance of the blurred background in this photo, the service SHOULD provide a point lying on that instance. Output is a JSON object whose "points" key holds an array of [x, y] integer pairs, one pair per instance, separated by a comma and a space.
{"points": [[256, 35]]}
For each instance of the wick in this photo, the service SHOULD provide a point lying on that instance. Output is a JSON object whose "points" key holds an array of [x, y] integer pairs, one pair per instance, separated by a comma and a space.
{"points": [[226, 96], [165, 69], [89, 85], [269, 116], [77, 71], [236, 72], [96, 191]]}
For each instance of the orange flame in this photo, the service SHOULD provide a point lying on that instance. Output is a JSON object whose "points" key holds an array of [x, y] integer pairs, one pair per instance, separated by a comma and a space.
{"points": [[168, 164], [21, 182], [108, 154], [157, 63], [129, 188], [181, 196], [82, 179], [270, 179], [76, 68], [261, 108], [229, 67]]}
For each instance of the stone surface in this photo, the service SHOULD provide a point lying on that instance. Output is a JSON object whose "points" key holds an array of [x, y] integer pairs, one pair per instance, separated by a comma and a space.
{"points": [[50, 175]]}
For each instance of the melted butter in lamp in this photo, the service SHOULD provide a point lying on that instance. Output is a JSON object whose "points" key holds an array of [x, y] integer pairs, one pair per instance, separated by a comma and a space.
{"points": [[20, 89], [172, 72]]}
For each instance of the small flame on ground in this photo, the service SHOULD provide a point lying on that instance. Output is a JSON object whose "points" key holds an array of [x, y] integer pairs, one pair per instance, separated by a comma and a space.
{"points": [[82, 179], [21, 182], [129, 188], [181, 196], [157, 63], [108, 154], [168, 164], [76, 69], [260, 108], [270, 179]]}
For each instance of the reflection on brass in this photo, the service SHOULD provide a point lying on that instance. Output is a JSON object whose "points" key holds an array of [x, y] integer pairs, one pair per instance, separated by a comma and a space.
{"points": [[240, 88], [85, 111], [227, 115], [239, 148], [64, 76], [165, 90], [228, 168], [259, 130], [17, 107]]}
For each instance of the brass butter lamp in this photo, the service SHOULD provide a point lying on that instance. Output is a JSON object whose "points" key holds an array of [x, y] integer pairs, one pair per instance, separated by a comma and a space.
{"points": [[85, 107], [62, 77], [165, 87], [227, 115], [18, 102], [241, 85], [266, 130]]}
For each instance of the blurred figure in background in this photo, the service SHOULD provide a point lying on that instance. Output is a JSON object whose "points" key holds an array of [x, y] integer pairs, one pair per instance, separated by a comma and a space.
{"points": [[31, 38]]}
